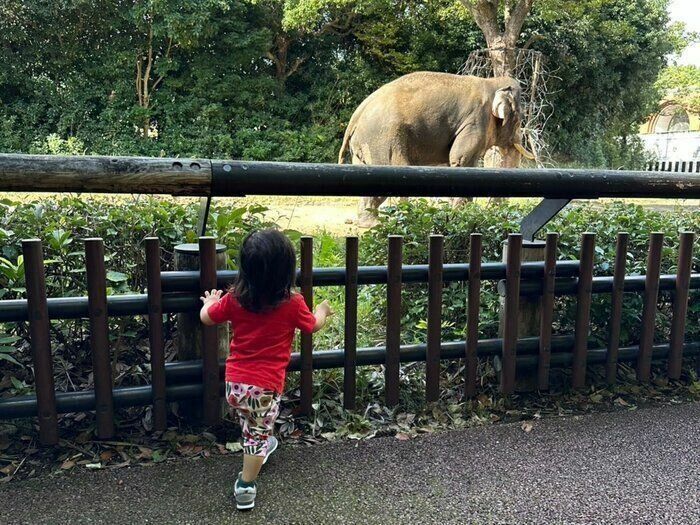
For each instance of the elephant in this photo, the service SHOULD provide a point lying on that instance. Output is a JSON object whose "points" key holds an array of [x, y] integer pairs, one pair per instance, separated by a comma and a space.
{"points": [[434, 119]]}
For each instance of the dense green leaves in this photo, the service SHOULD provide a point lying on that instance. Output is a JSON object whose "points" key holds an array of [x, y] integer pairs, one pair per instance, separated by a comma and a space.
{"points": [[420, 218], [607, 54], [682, 84]]}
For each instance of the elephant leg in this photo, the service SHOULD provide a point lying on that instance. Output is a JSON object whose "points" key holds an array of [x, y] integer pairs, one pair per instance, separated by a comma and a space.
{"points": [[367, 212], [465, 154]]}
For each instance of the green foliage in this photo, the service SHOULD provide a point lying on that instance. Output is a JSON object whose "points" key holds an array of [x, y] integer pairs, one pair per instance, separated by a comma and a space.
{"points": [[417, 220], [607, 55], [681, 84], [61, 224]]}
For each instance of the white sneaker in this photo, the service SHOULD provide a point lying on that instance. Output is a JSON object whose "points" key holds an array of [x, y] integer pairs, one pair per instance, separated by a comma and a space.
{"points": [[245, 496], [272, 445]]}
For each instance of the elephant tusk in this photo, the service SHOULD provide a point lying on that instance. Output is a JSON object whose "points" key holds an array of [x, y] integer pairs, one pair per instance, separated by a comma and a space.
{"points": [[525, 153]]}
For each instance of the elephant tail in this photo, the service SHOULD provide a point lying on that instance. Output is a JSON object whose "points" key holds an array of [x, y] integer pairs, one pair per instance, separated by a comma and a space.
{"points": [[352, 126], [346, 142]]}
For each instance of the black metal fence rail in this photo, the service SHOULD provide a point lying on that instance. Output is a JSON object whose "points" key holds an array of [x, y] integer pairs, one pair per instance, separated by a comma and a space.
{"points": [[183, 376]]}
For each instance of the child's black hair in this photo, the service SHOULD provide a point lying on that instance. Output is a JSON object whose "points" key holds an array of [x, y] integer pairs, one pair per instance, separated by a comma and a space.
{"points": [[266, 271]]}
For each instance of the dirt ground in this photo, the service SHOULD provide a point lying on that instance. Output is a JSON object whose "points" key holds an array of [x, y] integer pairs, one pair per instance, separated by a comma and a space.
{"points": [[337, 215]]}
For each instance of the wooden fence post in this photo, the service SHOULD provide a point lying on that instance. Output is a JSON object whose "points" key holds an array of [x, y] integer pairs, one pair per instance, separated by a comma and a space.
{"points": [[616, 307], [349, 386], [307, 290], [651, 295], [529, 307], [432, 358], [99, 336], [680, 304], [547, 311], [189, 327], [583, 311], [40, 341], [510, 312], [155, 332], [473, 305], [393, 321]]}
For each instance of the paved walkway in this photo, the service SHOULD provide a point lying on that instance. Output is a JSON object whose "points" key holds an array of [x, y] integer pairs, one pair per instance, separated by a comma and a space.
{"points": [[631, 467]]}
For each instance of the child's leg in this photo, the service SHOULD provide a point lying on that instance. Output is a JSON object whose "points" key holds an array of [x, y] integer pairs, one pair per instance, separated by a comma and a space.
{"points": [[251, 467], [257, 409]]}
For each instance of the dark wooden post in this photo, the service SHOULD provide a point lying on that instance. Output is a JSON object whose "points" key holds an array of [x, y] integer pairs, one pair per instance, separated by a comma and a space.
{"points": [[307, 290], [510, 312], [616, 307], [189, 327], [155, 332], [40, 341], [680, 304], [393, 321], [473, 303], [651, 295], [547, 311], [211, 408], [349, 386], [583, 311], [432, 359], [99, 336]]}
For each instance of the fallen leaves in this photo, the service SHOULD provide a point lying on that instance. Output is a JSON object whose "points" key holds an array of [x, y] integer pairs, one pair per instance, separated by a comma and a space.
{"points": [[67, 464], [20, 455]]}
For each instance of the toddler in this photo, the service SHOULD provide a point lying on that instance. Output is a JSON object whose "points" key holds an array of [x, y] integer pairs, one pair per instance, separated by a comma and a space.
{"points": [[264, 312]]}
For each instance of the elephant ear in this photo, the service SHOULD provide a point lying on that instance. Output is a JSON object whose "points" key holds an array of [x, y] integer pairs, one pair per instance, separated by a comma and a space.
{"points": [[504, 106]]}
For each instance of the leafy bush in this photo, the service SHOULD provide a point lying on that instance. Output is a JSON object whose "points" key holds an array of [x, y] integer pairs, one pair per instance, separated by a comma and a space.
{"points": [[123, 224], [420, 218]]}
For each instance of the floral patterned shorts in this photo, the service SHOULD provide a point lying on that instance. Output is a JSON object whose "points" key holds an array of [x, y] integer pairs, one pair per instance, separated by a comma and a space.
{"points": [[257, 410]]}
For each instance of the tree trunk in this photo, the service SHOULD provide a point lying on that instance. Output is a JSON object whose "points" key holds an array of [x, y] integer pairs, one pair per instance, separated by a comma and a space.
{"points": [[501, 42]]}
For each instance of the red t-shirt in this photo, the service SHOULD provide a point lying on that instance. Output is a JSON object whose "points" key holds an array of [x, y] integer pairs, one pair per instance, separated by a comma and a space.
{"points": [[261, 345]]}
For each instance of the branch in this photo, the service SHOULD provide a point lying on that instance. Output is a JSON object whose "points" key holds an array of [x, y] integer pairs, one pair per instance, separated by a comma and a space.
{"points": [[149, 64], [138, 79], [336, 27], [515, 16], [534, 37], [272, 56], [166, 56], [295, 66], [485, 13]]}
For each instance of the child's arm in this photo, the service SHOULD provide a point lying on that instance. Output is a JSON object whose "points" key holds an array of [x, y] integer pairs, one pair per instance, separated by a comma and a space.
{"points": [[322, 313], [209, 299]]}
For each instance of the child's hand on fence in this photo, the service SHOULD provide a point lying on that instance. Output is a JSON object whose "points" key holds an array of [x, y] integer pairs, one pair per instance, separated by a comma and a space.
{"points": [[325, 309], [211, 297]]}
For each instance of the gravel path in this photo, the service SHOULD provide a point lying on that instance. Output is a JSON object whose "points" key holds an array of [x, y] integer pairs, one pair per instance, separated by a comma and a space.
{"points": [[624, 467]]}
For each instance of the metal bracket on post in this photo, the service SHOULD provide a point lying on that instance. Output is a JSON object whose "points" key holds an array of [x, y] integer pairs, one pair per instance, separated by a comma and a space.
{"points": [[540, 216], [204, 204]]}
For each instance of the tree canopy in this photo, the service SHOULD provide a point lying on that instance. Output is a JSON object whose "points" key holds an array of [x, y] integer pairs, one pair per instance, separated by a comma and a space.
{"points": [[278, 79], [682, 84]]}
